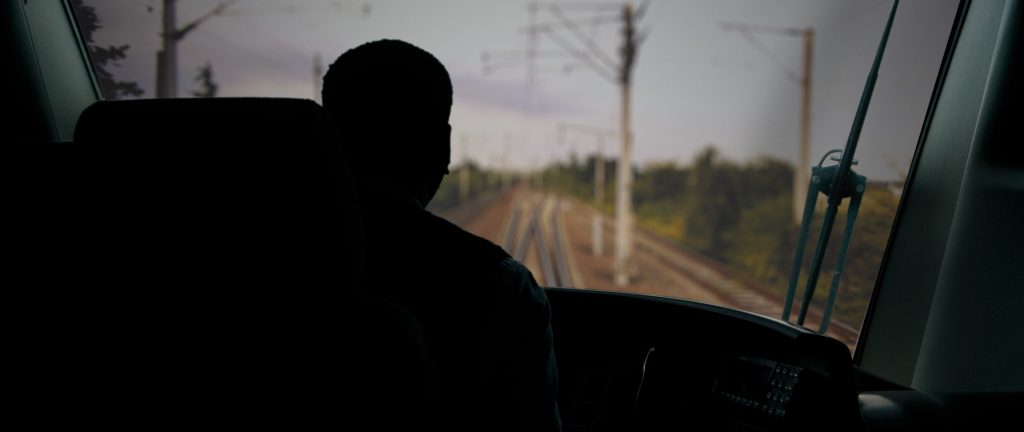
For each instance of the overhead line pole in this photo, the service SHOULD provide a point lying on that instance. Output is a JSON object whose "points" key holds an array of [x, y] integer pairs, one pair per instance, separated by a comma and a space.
{"points": [[167, 58], [597, 222], [618, 73], [801, 176], [531, 54], [624, 189], [170, 35], [464, 169], [318, 77], [801, 172]]}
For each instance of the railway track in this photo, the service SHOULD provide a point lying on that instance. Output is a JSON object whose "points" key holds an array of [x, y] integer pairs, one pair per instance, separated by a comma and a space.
{"points": [[538, 231], [535, 236], [463, 214], [733, 290]]}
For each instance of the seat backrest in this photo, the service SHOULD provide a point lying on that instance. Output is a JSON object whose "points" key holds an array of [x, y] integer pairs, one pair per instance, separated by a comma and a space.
{"points": [[257, 182], [202, 264]]}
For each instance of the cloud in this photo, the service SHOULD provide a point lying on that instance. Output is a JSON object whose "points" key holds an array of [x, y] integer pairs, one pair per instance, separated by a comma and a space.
{"points": [[508, 96]]}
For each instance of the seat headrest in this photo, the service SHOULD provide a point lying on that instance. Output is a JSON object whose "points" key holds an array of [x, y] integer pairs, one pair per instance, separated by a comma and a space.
{"points": [[224, 134], [170, 120], [253, 180]]}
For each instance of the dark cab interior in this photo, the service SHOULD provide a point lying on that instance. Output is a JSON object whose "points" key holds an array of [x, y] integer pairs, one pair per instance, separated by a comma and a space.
{"points": [[148, 299]]}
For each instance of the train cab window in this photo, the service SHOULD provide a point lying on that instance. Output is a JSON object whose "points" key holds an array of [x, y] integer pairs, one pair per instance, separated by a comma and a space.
{"points": [[663, 168], [719, 109]]}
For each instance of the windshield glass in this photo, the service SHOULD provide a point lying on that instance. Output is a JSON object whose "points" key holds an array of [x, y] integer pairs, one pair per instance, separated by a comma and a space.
{"points": [[722, 106]]}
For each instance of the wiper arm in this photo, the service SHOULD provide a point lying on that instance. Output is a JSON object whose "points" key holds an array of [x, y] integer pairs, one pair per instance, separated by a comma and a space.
{"points": [[837, 182]]}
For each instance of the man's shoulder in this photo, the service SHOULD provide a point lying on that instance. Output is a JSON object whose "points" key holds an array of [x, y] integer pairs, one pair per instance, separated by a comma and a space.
{"points": [[481, 260], [517, 275], [462, 242], [516, 271]]}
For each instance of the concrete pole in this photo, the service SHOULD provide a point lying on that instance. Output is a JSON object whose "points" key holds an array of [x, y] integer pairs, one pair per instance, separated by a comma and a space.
{"points": [[318, 77], [531, 65], [623, 198], [464, 172], [167, 59], [505, 174], [597, 229], [802, 170], [624, 188]]}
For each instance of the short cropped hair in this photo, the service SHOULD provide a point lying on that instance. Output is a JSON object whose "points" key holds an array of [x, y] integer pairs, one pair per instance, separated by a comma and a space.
{"points": [[391, 90]]}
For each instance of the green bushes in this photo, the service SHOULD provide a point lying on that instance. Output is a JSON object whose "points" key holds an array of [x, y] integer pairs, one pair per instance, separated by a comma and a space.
{"points": [[741, 215]]}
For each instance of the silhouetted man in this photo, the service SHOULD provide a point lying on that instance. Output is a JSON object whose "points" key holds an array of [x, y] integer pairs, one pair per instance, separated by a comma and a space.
{"points": [[485, 320]]}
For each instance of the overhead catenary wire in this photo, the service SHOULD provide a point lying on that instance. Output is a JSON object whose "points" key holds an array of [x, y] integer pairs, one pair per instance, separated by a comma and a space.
{"points": [[587, 41], [578, 54]]}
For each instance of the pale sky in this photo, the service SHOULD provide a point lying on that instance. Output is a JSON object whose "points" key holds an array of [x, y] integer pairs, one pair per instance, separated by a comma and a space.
{"points": [[694, 82]]}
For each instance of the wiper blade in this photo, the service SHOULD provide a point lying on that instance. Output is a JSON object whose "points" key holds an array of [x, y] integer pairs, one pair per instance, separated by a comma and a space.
{"points": [[837, 182]]}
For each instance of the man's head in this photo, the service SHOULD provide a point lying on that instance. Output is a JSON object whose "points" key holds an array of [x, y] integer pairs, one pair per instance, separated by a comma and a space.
{"points": [[391, 102]]}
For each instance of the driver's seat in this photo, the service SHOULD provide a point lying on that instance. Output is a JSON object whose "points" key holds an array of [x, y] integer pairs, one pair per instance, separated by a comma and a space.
{"points": [[205, 274]]}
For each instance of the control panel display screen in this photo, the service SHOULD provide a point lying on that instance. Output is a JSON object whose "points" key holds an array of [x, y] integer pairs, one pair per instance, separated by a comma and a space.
{"points": [[758, 385]]}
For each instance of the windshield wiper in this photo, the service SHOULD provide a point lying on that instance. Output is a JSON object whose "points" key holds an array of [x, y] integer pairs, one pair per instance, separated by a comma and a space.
{"points": [[837, 182]]}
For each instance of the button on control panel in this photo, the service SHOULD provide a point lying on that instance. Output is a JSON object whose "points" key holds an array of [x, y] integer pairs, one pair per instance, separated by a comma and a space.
{"points": [[760, 385]]}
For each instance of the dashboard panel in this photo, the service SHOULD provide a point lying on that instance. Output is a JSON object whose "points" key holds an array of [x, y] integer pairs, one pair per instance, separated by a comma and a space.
{"points": [[629, 362]]}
